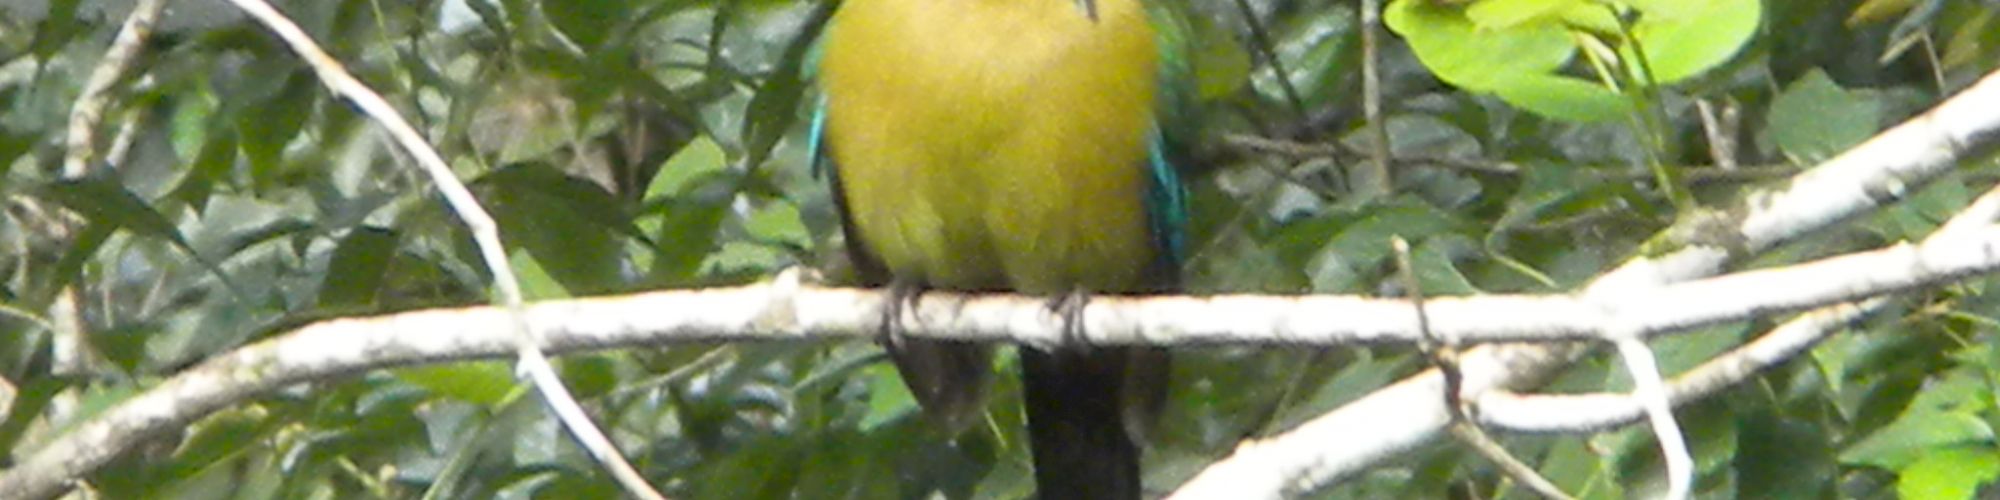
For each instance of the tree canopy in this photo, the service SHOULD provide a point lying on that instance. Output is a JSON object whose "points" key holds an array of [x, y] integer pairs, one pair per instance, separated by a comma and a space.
{"points": [[192, 205]]}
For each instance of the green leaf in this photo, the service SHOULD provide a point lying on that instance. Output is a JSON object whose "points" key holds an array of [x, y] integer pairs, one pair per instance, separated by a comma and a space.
{"points": [[1684, 38], [536, 284], [774, 108], [1782, 458], [586, 21], [1562, 98], [124, 345], [687, 234], [355, 271], [1581, 467], [107, 204], [189, 127], [211, 166], [1224, 65], [1320, 59], [779, 222], [1435, 269], [1814, 119], [265, 129], [105, 200], [488, 383], [888, 398], [56, 29], [737, 257], [1363, 245], [1912, 436], [700, 158], [1503, 14], [1464, 55], [218, 437], [570, 225], [1956, 472], [589, 375]]}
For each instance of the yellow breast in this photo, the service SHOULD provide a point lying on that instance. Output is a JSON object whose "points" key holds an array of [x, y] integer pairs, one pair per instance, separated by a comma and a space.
{"points": [[995, 143]]}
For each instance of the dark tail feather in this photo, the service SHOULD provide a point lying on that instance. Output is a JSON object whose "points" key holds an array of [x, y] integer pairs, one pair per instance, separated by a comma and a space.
{"points": [[949, 379], [1075, 424]]}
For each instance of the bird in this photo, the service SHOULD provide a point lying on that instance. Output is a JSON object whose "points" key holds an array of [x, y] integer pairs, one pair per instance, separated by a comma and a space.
{"points": [[1014, 145]]}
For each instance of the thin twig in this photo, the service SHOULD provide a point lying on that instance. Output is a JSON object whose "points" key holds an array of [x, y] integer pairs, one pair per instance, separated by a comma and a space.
{"points": [[1694, 174], [92, 102], [1514, 468], [1720, 132], [70, 346], [1444, 357], [1261, 41], [1371, 98], [531, 363], [1441, 355]]}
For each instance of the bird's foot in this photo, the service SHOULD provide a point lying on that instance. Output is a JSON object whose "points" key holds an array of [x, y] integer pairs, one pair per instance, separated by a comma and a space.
{"points": [[901, 295], [1069, 306]]}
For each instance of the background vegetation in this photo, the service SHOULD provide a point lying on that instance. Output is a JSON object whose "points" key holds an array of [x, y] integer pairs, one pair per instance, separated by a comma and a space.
{"points": [[628, 145]]}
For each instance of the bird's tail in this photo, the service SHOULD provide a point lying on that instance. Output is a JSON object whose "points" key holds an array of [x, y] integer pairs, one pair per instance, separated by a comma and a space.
{"points": [[1076, 401]]}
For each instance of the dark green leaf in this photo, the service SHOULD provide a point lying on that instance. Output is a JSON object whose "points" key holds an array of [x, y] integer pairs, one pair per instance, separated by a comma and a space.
{"points": [[355, 272]]}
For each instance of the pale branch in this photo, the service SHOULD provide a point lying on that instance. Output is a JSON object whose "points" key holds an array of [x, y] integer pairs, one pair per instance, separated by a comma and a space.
{"points": [[90, 104], [1649, 389], [1905, 157], [530, 362], [1720, 129], [1575, 413], [1592, 412], [69, 343], [787, 310], [1363, 432], [1393, 419]]}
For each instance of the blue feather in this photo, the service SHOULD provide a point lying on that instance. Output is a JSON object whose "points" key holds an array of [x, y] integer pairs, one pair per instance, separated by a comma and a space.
{"points": [[816, 139], [1166, 205]]}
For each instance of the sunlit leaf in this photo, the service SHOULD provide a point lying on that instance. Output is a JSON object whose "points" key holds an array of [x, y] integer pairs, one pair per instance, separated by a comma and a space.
{"points": [[1956, 472], [1693, 36]]}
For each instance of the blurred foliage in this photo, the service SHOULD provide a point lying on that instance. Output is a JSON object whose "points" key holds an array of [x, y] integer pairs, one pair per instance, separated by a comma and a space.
{"points": [[628, 145]]}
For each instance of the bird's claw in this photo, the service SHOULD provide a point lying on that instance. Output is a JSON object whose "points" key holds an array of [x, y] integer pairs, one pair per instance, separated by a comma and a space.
{"points": [[1069, 307], [901, 295]]}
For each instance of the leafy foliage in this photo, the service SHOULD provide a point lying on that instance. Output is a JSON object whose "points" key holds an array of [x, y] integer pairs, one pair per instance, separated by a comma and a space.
{"points": [[628, 145]]}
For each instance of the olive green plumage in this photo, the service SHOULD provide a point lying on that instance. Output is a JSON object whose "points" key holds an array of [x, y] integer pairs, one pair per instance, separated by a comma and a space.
{"points": [[986, 145]]}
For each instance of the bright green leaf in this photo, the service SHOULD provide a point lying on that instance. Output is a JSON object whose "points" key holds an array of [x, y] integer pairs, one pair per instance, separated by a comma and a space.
{"points": [[1563, 98], [1956, 472], [489, 383], [536, 284], [1503, 14], [888, 398], [1694, 36], [1912, 436], [700, 158], [779, 222], [1464, 55]]}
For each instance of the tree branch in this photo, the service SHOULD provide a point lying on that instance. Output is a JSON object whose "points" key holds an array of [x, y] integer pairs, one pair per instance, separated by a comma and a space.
{"points": [[787, 310], [530, 363], [1409, 413]]}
